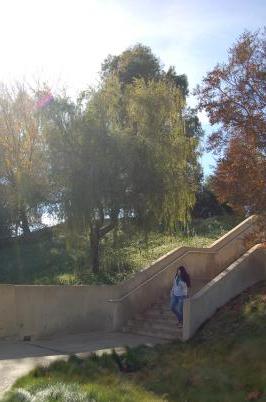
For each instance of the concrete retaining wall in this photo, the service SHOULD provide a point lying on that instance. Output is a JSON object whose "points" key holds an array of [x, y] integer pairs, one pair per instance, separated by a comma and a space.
{"points": [[39, 311], [243, 273]]}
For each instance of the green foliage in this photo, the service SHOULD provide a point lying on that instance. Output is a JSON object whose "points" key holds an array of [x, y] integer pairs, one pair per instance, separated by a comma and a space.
{"points": [[225, 361], [135, 62], [161, 135], [65, 259], [207, 204], [180, 81], [123, 149], [138, 62], [54, 392], [126, 149], [23, 162], [5, 214], [135, 359], [147, 120]]}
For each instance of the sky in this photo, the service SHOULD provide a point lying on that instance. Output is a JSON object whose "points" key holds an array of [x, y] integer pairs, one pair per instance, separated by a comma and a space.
{"points": [[65, 41]]}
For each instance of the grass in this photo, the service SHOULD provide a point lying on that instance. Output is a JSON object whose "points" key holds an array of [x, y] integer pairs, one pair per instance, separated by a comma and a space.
{"points": [[225, 362], [65, 259]]}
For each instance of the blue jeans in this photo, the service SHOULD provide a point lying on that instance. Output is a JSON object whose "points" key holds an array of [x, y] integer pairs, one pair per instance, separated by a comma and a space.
{"points": [[176, 305]]}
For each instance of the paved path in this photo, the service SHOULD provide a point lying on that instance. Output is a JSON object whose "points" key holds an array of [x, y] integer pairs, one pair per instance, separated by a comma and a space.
{"points": [[18, 358]]}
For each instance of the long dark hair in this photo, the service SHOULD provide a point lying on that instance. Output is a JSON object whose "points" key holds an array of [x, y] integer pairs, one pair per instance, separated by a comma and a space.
{"points": [[184, 276]]}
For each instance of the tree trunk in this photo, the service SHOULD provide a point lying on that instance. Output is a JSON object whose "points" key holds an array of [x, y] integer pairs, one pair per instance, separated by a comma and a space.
{"points": [[115, 237], [95, 248], [24, 222], [97, 232]]}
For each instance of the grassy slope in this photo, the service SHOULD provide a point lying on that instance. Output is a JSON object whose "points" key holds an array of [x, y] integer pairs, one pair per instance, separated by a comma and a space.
{"points": [[64, 260], [225, 362]]}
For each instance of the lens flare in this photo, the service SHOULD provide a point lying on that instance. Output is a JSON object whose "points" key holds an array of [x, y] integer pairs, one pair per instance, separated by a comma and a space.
{"points": [[44, 101]]}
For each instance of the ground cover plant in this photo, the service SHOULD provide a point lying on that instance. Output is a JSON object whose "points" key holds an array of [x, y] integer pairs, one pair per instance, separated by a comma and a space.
{"points": [[66, 259], [225, 362]]}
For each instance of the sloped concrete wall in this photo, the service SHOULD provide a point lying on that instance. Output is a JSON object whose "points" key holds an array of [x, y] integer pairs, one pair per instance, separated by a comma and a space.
{"points": [[243, 273], [42, 310], [201, 263]]}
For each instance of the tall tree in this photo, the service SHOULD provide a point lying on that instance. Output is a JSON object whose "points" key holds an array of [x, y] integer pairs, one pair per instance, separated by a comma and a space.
{"points": [[87, 162], [123, 150], [5, 214], [180, 81], [128, 148], [234, 96], [23, 168], [240, 178], [135, 62], [139, 62], [163, 175]]}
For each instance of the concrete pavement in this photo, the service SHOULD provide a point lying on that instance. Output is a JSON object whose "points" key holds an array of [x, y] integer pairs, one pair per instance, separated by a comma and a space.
{"points": [[17, 358]]}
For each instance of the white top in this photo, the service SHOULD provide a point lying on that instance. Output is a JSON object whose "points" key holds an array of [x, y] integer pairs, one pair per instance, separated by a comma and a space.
{"points": [[180, 288]]}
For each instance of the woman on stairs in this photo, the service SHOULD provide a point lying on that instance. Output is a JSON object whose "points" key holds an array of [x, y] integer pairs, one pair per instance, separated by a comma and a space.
{"points": [[179, 292]]}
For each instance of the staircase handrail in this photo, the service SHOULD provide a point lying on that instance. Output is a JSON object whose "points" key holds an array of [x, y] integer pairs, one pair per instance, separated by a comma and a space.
{"points": [[204, 250]]}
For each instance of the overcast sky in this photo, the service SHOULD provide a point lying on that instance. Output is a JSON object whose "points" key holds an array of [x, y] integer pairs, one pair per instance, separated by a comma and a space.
{"points": [[65, 41]]}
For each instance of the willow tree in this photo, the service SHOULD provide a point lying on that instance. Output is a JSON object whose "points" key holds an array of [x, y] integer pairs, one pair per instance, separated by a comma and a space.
{"points": [[87, 164], [161, 167], [125, 149], [23, 163], [163, 185], [134, 63]]}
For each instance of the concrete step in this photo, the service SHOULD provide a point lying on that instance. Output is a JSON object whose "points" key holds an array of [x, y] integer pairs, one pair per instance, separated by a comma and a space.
{"points": [[163, 334], [159, 321], [161, 308], [158, 315], [155, 324], [155, 334]]}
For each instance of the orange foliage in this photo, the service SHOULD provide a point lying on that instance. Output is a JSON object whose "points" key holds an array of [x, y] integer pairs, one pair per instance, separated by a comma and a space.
{"points": [[240, 177], [234, 96]]}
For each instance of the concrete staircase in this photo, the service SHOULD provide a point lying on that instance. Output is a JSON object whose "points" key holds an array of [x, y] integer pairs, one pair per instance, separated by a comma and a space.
{"points": [[159, 321]]}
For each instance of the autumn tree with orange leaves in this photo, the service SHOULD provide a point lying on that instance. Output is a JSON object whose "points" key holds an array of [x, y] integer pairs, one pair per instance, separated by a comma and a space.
{"points": [[233, 95]]}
